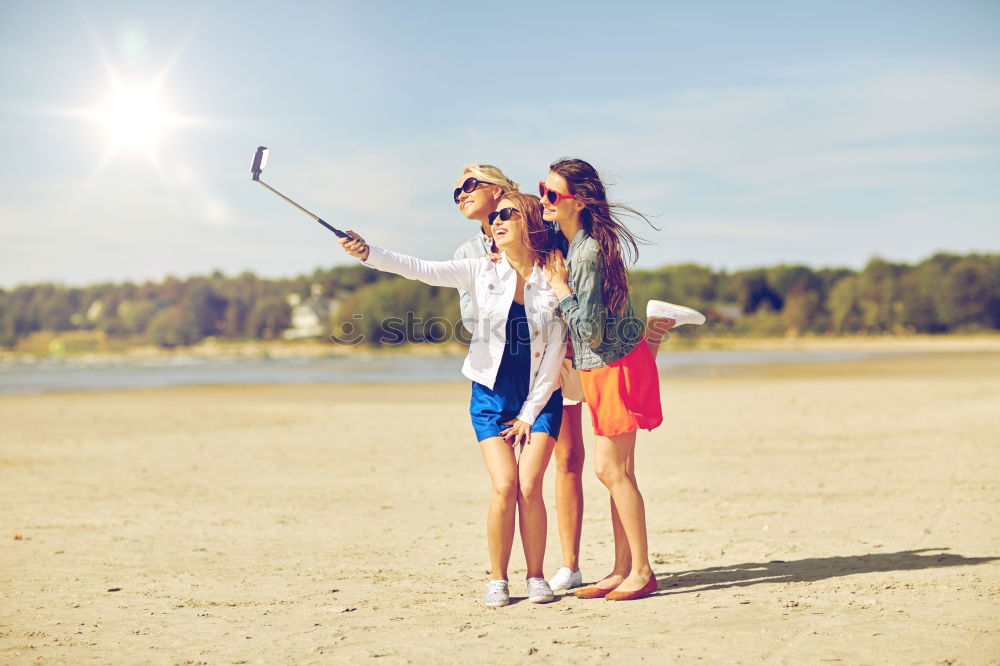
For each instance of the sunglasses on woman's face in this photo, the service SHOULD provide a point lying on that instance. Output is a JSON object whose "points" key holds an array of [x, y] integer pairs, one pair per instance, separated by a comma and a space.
{"points": [[470, 185], [504, 214], [553, 196]]}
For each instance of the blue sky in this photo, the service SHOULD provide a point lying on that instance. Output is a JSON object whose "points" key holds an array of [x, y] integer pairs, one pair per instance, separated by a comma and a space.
{"points": [[752, 133]]}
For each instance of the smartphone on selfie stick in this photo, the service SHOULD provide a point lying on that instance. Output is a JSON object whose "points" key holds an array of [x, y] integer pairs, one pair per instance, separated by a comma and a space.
{"points": [[258, 164]]}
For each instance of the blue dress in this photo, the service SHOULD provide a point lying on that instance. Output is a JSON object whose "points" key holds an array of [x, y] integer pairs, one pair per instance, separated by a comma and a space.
{"points": [[491, 408]]}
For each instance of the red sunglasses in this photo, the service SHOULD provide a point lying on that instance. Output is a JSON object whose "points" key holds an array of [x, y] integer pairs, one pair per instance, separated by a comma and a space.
{"points": [[553, 196]]}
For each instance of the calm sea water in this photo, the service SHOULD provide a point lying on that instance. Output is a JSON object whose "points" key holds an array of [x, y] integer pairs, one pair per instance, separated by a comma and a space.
{"points": [[81, 374]]}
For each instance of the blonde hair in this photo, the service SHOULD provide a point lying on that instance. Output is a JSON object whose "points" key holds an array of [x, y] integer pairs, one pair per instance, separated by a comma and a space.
{"points": [[487, 173]]}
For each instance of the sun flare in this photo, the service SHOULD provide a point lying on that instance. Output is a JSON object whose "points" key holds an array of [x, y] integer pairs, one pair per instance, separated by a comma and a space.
{"points": [[133, 115], [134, 118]]}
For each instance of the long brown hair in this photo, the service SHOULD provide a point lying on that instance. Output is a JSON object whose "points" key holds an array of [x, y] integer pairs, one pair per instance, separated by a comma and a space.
{"points": [[536, 232], [600, 219]]}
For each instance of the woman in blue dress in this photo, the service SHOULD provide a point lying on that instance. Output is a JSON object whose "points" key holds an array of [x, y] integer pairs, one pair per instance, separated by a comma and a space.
{"points": [[515, 355]]}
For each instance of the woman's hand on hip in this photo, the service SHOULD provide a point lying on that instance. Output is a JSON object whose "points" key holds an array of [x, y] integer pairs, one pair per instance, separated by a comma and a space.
{"points": [[355, 245]]}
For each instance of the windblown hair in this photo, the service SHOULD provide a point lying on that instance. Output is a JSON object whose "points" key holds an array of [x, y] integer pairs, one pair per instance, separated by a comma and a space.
{"points": [[601, 220], [537, 237], [487, 173]]}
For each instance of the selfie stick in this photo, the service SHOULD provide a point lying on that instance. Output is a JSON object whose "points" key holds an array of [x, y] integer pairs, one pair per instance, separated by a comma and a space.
{"points": [[259, 162]]}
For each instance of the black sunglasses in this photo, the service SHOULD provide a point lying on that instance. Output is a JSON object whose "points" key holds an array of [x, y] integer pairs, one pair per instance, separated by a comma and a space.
{"points": [[470, 185], [504, 214]]}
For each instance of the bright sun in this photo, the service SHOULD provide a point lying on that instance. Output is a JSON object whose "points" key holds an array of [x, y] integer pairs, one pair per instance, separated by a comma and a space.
{"points": [[134, 117]]}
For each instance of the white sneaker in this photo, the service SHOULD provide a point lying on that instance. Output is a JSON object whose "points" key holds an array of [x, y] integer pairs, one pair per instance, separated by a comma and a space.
{"points": [[679, 313], [497, 594], [565, 580], [539, 591]]}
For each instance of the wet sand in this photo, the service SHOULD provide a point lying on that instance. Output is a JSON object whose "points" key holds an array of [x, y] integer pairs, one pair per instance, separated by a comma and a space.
{"points": [[813, 513]]}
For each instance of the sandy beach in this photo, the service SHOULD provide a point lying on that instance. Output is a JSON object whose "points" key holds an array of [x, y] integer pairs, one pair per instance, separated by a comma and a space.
{"points": [[798, 514]]}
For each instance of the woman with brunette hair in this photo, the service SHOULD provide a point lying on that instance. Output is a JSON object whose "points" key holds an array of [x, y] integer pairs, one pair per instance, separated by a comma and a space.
{"points": [[514, 357], [617, 369]]}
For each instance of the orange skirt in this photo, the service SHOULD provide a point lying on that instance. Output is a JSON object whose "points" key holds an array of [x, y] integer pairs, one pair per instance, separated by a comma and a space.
{"points": [[624, 396]]}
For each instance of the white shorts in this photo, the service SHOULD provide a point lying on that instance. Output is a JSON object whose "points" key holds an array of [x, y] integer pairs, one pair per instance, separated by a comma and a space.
{"points": [[569, 382]]}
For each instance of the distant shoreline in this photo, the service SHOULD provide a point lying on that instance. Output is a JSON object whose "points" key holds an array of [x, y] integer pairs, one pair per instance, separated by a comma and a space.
{"points": [[216, 349]]}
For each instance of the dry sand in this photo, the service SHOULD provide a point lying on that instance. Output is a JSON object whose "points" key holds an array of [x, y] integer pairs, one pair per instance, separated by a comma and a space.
{"points": [[823, 513]]}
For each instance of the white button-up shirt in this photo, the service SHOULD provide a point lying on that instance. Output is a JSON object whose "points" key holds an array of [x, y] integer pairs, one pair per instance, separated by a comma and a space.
{"points": [[492, 286]]}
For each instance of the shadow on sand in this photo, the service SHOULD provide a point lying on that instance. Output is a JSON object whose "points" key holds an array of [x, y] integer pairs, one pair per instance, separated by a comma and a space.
{"points": [[813, 569]]}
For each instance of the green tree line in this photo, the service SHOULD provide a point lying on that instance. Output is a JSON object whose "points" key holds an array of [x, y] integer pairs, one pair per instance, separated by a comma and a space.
{"points": [[943, 293]]}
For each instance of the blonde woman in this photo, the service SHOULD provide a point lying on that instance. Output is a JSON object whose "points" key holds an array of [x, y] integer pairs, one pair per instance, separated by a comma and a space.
{"points": [[514, 358], [478, 190]]}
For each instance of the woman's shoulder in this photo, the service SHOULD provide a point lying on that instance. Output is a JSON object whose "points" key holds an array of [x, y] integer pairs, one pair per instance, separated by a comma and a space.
{"points": [[472, 248], [485, 266], [587, 250]]}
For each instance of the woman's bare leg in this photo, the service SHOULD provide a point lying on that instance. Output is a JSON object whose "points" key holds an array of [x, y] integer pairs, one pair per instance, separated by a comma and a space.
{"points": [[531, 465], [656, 329], [613, 462], [502, 466], [569, 456], [623, 554]]}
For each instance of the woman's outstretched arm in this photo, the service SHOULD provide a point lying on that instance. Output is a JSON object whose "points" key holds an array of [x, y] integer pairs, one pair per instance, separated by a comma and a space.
{"points": [[459, 273]]}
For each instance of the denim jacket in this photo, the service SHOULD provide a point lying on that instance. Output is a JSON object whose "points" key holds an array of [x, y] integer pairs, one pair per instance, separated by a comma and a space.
{"points": [[599, 338]]}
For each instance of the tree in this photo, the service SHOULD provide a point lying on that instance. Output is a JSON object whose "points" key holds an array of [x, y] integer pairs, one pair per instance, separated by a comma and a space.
{"points": [[135, 316], [173, 327], [969, 294], [917, 292], [878, 291], [206, 308], [751, 290], [56, 307], [844, 305], [802, 308], [269, 318]]}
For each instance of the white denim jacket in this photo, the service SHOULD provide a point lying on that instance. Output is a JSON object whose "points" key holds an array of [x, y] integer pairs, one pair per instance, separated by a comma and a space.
{"points": [[492, 286]]}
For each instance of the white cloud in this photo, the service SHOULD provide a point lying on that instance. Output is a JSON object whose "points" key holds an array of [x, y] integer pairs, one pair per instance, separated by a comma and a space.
{"points": [[760, 135], [781, 168]]}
